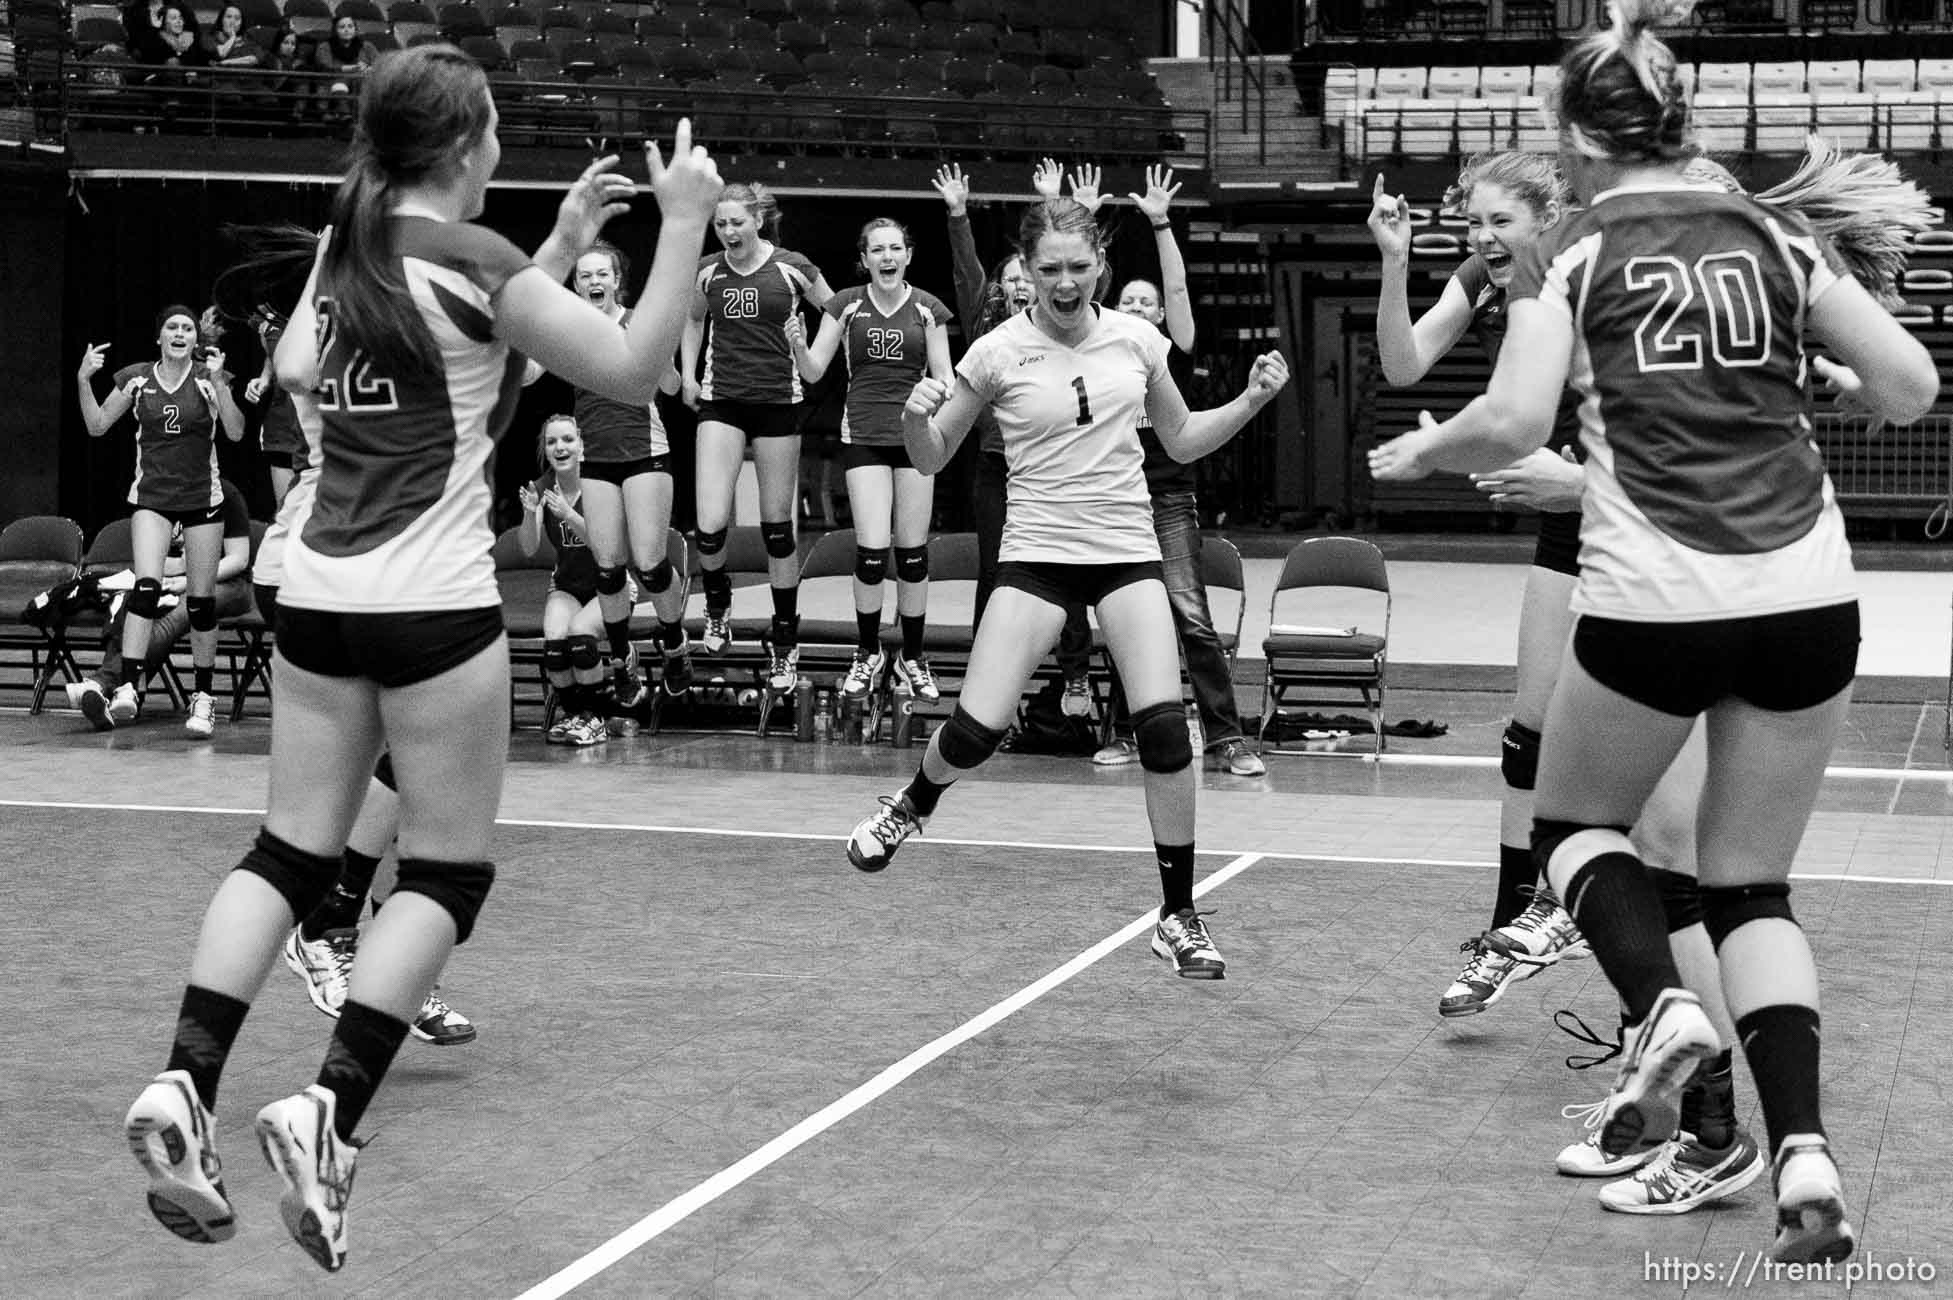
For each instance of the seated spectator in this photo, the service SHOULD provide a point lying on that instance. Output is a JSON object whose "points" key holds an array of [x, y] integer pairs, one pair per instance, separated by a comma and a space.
{"points": [[227, 46], [143, 21], [347, 54], [282, 62]]}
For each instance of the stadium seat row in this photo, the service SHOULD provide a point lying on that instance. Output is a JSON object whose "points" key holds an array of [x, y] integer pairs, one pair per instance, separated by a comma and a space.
{"points": [[1741, 80]]}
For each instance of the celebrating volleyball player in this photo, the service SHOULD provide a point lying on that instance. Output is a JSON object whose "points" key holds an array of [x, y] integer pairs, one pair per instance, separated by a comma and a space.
{"points": [[1068, 382], [406, 345], [894, 334], [573, 617], [1715, 579], [179, 399], [749, 391]]}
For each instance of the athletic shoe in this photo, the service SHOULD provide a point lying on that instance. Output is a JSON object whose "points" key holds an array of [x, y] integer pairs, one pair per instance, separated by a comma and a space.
{"points": [[585, 730], [917, 678], [440, 1024], [1811, 1224], [677, 676], [718, 632], [298, 1140], [203, 714], [1543, 934], [559, 730], [1077, 699], [1641, 1112], [1116, 753], [876, 838], [1685, 1174], [863, 672], [1182, 939], [628, 683], [124, 706], [171, 1135], [1585, 1159], [87, 696], [1482, 982], [783, 669], [325, 964], [1240, 758]]}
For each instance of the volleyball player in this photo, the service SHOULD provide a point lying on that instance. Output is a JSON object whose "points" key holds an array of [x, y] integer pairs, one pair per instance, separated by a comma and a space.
{"points": [[1068, 382], [1715, 579], [749, 392], [279, 439], [893, 333], [573, 615], [406, 344], [179, 399]]}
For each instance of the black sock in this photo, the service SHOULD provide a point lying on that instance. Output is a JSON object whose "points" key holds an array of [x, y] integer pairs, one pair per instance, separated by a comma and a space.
{"points": [[1617, 909], [671, 635], [786, 605], [206, 1026], [786, 631], [619, 636], [718, 590], [924, 794], [912, 625], [1781, 1043], [363, 1044], [1518, 874], [569, 698], [1176, 876], [1709, 1103], [110, 678], [868, 630], [339, 909], [206, 678]]}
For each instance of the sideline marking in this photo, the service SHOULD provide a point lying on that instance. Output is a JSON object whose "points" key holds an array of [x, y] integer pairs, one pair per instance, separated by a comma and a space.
{"points": [[680, 1208]]}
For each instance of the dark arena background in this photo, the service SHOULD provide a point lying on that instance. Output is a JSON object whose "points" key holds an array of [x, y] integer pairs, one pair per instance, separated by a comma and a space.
{"points": [[712, 1058]]}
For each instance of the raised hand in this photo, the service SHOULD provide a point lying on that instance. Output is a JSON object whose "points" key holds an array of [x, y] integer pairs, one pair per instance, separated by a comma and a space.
{"points": [[689, 185], [1048, 179], [553, 498], [530, 501], [213, 361], [1267, 377], [596, 196], [92, 360], [1402, 459], [1158, 197], [955, 190], [1389, 222], [1085, 187]]}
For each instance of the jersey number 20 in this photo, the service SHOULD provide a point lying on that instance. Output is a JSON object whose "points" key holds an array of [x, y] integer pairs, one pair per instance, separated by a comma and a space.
{"points": [[1730, 286]]}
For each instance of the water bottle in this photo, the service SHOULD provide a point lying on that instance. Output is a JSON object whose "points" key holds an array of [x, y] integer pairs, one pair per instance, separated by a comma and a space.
{"points": [[903, 734], [1194, 734], [803, 710]]}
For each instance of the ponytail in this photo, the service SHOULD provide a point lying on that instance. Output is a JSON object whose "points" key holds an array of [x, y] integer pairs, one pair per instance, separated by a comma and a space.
{"points": [[1864, 206], [372, 308], [1619, 98]]}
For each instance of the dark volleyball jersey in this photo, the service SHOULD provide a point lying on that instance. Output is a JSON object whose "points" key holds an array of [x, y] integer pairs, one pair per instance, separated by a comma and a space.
{"points": [[576, 567], [176, 442], [616, 432], [1488, 327], [279, 434], [399, 517], [1706, 496], [1163, 473], [886, 354], [747, 358]]}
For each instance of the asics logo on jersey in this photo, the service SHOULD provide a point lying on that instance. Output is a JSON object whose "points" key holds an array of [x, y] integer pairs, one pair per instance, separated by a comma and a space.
{"points": [[1033, 359]]}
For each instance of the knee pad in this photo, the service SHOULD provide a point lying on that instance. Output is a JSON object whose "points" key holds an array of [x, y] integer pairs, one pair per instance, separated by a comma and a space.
{"points": [[145, 598], [1725, 907], [585, 654], [658, 578], [1681, 898], [610, 579], [912, 563], [1563, 848], [383, 772], [711, 543], [778, 539], [300, 878], [964, 742], [556, 661], [202, 611], [1519, 756], [870, 566], [459, 888], [1160, 731]]}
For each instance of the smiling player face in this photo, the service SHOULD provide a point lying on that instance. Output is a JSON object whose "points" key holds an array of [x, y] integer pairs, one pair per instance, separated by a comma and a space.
{"points": [[562, 445], [177, 337], [886, 257], [1500, 226]]}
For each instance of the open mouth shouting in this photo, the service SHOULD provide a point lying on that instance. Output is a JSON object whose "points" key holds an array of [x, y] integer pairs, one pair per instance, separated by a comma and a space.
{"points": [[1498, 263]]}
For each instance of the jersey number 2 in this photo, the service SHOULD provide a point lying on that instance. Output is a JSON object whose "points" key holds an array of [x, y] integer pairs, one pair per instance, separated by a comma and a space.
{"points": [[1731, 288], [1084, 402]]}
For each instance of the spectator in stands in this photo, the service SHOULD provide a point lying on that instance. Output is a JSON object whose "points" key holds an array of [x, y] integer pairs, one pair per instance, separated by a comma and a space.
{"points": [[1715, 579], [226, 45], [179, 401], [1069, 381], [146, 23], [1176, 510], [894, 333], [346, 54], [281, 63], [749, 390], [573, 616]]}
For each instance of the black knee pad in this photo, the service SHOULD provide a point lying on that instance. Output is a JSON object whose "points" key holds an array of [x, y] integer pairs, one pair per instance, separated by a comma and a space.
{"points": [[300, 878], [1681, 898], [556, 661], [202, 611], [610, 579], [585, 653], [145, 598], [1725, 907], [870, 566], [964, 742], [383, 772], [1160, 731], [778, 538], [711, 543], [1519, 756], [658, 578], [912, 563], [459, 888]]}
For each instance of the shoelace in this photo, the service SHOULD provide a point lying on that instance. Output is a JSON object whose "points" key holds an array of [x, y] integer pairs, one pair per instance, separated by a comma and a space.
{"points": [[1195, 930], [1587, 1112], [921, 676], [1579, 1029], [894, 820], [860, 671], [435, 1008]]}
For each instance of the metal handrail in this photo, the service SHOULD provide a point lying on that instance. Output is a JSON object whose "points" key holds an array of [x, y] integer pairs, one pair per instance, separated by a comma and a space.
{"points": [[1230, 43]]}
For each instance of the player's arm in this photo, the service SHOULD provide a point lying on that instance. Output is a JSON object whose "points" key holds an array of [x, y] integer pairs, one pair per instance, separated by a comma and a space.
{"points": [[1187, 435], [689, 346], [813, 359], [96, 416], [1408, 351], [1896, 376], [936, 419], [818, 292], [530, 536], [935, 344], [235, 561]]}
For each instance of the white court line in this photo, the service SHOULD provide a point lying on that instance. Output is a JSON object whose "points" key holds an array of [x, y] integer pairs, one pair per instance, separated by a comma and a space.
{"points": [[1918, 726], [676, 1211], [1943, 776]]}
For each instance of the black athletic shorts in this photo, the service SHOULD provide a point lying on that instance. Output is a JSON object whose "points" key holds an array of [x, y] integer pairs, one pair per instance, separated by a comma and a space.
{"points": [[858, 455], [391, 650], [1558, 547], [195, 518], [617, 471], [266, 595], [754, 419], [1779, 662], [1066, 585]]}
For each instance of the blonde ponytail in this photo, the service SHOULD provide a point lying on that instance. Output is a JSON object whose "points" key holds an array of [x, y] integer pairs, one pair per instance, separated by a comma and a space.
{"points": [[1864, 205]]}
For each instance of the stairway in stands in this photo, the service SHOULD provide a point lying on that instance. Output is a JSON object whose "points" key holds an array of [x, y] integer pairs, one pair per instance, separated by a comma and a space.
{"points": [[1295, 151]]}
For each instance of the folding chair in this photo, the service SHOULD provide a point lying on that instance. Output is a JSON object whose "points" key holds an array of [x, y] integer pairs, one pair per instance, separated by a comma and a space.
{"points": [[828, 633], [247, 643], [1311, 651], [752, 610], [524, 583], [36, 553], [1222, 575]]}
